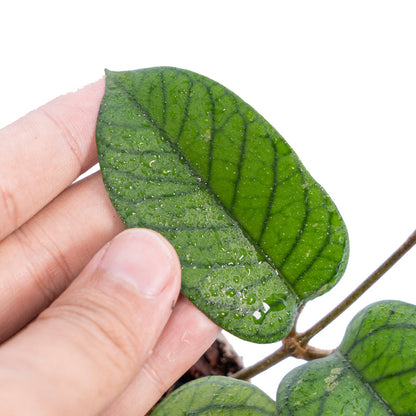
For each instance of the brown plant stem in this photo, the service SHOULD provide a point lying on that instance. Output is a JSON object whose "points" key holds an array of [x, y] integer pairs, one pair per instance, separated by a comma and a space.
{"points": [[264, 364], [289, 348]]}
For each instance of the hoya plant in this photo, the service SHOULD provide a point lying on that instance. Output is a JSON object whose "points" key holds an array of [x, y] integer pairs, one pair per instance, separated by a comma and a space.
{"points": [[257, 238]]}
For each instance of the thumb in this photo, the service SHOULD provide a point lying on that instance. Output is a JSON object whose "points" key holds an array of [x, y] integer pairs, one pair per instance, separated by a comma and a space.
{"points": [[83, 351]]}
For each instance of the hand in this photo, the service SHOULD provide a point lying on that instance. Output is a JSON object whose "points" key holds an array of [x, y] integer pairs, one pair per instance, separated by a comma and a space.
{"points": [[88, 327]]}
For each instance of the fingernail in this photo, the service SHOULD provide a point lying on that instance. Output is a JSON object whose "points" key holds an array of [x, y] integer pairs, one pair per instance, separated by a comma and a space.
{"points": [[141, 257]]}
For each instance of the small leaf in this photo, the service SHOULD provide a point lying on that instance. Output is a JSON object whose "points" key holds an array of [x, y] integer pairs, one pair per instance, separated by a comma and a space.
{"points": [[372, 373], [256, 235], [216, 395]]}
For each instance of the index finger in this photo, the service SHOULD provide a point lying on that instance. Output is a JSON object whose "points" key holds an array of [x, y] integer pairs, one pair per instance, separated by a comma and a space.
{"points": [[44, 152]]}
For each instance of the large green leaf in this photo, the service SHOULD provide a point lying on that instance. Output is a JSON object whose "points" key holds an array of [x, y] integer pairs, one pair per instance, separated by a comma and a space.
{"points": [[373, 372], [256, 235], [216, 395]]}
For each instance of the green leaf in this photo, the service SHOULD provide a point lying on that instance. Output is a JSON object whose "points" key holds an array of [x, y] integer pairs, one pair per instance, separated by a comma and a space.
{"points": [[216, 395], [372, 373], [256, 235]]}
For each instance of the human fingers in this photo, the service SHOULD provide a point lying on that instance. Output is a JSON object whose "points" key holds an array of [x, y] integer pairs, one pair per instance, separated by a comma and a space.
{"points": [[40, 259], [84, 350], [187, 335], [44, 152]]}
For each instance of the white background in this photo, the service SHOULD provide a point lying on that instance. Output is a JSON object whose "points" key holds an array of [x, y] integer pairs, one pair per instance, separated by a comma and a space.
{"points": [[337, 79]]}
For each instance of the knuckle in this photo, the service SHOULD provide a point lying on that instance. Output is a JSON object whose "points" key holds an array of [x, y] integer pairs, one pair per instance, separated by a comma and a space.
{"points": [[45, 264], [9, 210], [67, 135]]}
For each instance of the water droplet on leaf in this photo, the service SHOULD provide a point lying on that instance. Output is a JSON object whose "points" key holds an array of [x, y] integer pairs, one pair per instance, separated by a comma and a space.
{"points": [[259, 316], [230, 293], [251, 300], [276, 302]]}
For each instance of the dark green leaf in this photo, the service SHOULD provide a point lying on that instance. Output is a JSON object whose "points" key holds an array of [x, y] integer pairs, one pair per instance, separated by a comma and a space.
{"points": [[216, 395], [373, 372], [256, 235]]}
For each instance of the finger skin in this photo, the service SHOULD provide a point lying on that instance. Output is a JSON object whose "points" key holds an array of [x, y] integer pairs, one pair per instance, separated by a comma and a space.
{"points": [[86, 348], [40, 259], [187, 335], [44, 152]]}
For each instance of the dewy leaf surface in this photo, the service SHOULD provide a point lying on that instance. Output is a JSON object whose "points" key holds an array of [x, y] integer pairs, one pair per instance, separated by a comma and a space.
{"points": [[256, 235], [373, 372], [216, 395]]}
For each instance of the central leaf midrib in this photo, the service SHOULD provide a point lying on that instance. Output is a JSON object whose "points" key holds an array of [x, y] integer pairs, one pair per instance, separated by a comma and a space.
{"points": [[366, 384], [205, 186]]}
